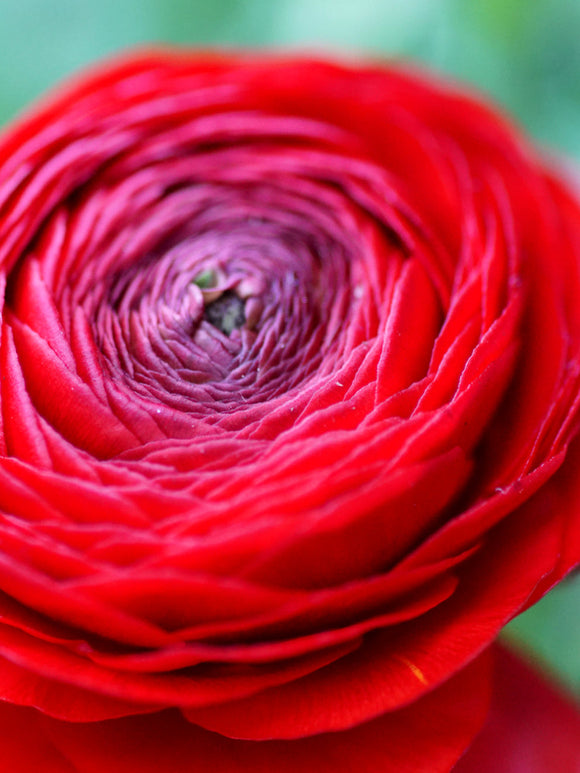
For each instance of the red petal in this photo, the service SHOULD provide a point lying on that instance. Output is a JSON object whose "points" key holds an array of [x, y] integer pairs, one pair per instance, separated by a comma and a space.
{"points": [[428, 735], [532, 728]]}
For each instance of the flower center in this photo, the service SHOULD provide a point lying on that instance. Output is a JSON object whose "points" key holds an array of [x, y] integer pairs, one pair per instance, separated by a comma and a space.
{"points": [[226, 312], [230, 297]]}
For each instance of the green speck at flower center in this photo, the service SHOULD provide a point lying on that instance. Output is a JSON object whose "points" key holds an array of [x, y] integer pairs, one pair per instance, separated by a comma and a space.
{"points": [[206, 279]]}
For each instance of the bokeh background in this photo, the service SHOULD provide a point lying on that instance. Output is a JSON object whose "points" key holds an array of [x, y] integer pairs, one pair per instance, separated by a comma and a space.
{"points": [[524, 54]]}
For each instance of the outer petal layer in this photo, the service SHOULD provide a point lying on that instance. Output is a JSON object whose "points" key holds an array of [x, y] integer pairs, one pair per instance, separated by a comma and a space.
{"points": [[531, 727], [445, 721]]}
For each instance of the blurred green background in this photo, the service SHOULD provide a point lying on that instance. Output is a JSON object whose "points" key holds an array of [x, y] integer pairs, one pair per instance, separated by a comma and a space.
{"points": [[525, 54]]}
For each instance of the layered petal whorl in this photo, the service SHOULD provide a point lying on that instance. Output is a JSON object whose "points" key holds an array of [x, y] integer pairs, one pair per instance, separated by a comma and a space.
{"points": [[290, 366]]}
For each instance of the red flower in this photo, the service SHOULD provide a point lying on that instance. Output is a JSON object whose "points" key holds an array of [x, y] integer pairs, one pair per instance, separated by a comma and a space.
{"points": [[290, 368]]}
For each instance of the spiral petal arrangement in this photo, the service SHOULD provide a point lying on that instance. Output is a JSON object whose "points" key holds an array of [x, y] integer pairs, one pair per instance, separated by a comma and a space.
{"points": [[290, 387]]}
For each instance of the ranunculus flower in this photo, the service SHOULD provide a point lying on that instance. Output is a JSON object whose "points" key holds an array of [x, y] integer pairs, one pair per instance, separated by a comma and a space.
{"points": [[290, 387]]}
